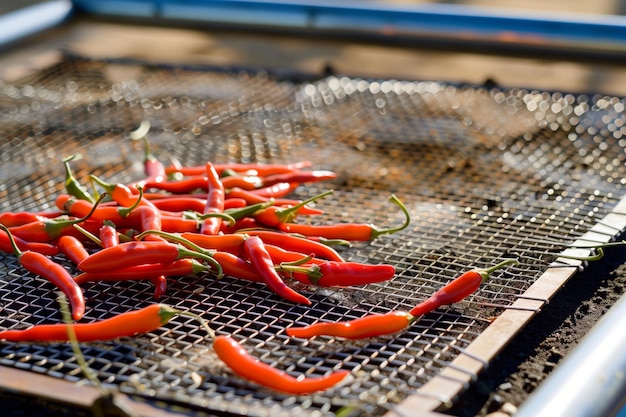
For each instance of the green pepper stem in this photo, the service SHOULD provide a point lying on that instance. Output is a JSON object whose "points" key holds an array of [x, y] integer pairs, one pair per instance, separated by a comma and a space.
{"points": [[88, 234], [312, 272], [53, 227], [485, 273], [16, 250], [378, 231], [599, 255], [72, 186], [287, 214], [224, 216], [125, 212], [239, 213]]}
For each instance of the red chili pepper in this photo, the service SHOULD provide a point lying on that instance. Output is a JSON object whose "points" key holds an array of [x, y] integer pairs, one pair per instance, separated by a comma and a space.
{"points": [[130, 323], [296, 243], [275, 216], [46, 230], [129, 254], [259, 169], [108, 235], [298, 177], [180, 267], [122, 194], [237, 267], [42, 247], [246, 366], [362, 328], [178, 224], [55, 273], [150, 220], [347, 231], [184, 186], [160, 286], [214, 202], [12, 219], [245, 182], [282, 189], [258, 256], [458, 289], [339, 274], [180, 204], [73, 248], [232, 243]]}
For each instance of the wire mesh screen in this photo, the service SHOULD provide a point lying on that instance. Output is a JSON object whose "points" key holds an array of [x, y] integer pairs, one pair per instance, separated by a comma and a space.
{"points": [[486, 173]]}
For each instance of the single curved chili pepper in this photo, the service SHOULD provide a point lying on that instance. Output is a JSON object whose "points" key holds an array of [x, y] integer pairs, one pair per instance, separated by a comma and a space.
{"points": [[362, 328], [259, 169], [339, 274], [150, 220], [46, 230], [279, 190], [108, 235], [184, 186], [275, 216], [180, 267], [348, 231], [298, 177], [245, 182], [55, 273], [214, 202], [237, 267], [248, 367], [295, 243], [12, 219], [130, 323], [232, 243], [178, 224], [458, 289], [180, 204], [258, 256], [44, 248], [129, 254], [72, 186], [73, 248]]}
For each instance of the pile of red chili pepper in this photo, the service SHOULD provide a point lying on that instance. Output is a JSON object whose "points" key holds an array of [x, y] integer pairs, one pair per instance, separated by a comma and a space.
{"points": [[223, 219]]}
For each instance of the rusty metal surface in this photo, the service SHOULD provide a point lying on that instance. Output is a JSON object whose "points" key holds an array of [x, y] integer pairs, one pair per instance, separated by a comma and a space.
{"points": [[486, 173]]}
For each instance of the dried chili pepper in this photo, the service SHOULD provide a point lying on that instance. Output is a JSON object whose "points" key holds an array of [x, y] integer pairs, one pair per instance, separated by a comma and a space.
{"points": [[247, 366], [365, 327], [458, 289], [73, 248], [129, 254], [214, 202], [126, 324], [348, 231], [262, 261], [46, 230], [55, 273]]}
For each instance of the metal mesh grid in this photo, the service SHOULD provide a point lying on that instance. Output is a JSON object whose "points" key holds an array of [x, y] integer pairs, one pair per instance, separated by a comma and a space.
{"points": [[487, 173]]}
